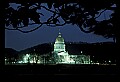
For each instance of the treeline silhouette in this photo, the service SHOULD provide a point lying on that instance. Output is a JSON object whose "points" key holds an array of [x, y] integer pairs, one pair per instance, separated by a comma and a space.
{"points": [[104, 50]]}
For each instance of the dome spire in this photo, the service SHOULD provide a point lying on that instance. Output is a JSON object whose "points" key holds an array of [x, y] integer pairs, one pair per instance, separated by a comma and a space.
{"points": [[59, 33]]}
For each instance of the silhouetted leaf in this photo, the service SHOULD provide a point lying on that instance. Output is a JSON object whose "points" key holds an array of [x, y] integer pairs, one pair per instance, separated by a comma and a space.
{"points": [[7, 23], [49, 5], [55, 20], [35, 17], [14, 24], [25, 21], [56, 5]]}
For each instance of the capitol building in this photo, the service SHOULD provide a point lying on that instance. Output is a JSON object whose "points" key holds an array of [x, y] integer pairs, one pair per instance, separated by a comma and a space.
{"points": [[64, 57], [59, 55]]}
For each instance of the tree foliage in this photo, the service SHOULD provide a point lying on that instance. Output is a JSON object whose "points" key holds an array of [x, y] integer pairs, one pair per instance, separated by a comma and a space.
{"points": [[82, 13]]}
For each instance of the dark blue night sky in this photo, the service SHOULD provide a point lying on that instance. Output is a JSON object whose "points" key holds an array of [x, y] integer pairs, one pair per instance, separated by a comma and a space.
{"points": [[45, 34], [19, 41]]}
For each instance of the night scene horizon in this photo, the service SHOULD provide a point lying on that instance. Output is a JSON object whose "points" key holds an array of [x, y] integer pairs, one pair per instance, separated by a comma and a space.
{"points": [[20, 41]]}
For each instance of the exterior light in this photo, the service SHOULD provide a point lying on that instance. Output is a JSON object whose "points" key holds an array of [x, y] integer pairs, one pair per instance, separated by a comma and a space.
{"points": [[20, 61], [98, 63], [109, 61], [81, 52], [27, 55]]}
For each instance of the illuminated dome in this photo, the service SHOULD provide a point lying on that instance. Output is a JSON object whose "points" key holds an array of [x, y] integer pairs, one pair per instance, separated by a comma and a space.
{"points": [[59, 39]]}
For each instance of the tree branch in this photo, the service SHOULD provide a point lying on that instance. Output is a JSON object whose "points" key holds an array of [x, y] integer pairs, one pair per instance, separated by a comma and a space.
{"points": [[30, 30], [26, 26], [11, 29], [49, 10], [56, 25], [101, 13], [86, 31], [20, 27]]}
